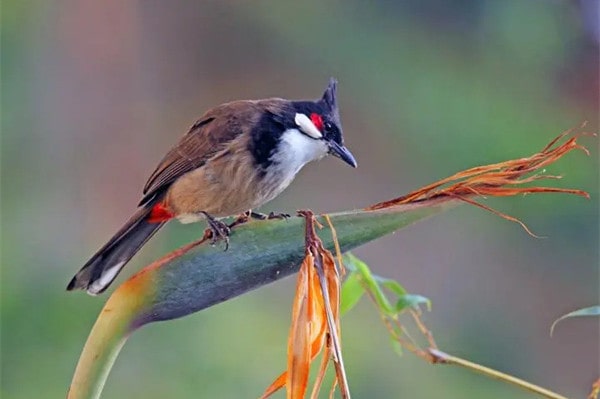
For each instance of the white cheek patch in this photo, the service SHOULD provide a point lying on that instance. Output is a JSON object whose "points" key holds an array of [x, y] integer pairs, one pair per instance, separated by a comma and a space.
{"points": [[307, 126]]}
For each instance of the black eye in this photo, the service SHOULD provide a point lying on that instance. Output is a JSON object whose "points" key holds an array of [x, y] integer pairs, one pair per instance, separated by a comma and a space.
{"points": [[328, 126]]}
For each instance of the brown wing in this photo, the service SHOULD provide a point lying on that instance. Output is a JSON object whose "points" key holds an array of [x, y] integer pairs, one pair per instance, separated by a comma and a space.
{"points": [[209, 135]]}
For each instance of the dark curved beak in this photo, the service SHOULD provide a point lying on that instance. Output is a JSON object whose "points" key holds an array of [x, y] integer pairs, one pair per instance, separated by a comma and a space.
{"points": [[342, 153]]}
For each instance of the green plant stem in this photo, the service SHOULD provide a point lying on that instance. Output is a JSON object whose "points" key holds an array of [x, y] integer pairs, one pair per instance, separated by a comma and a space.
{"points": [[109, 334], [440, 357]]}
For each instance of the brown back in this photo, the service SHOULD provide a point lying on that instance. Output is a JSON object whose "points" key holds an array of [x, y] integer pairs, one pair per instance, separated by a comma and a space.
{"points": [[209, 135]]}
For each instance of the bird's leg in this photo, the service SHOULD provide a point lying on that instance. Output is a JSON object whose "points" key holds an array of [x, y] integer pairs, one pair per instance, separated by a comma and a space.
{"points": [[271, 215], [218, 229]]}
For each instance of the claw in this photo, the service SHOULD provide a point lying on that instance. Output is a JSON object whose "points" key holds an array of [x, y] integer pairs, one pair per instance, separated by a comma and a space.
{"points": [[218, 231]]}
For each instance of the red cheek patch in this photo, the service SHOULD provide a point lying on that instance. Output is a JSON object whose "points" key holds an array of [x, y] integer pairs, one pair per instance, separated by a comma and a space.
{"points": [[317, 121]]}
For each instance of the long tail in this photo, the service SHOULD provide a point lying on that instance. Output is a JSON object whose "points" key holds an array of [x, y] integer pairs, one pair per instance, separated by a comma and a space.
{"points": [[100, 271]]}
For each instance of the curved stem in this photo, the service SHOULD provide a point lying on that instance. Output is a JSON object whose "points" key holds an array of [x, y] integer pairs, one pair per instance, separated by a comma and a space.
{"points": [[111, 330], [444, 358]]}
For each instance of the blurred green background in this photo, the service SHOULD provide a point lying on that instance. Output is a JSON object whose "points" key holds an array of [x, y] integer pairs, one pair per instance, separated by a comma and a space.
{"points": [[95, 92]]}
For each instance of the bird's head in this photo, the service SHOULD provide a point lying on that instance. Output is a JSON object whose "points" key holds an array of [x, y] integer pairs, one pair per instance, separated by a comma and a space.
{"points": [[320, 120]]}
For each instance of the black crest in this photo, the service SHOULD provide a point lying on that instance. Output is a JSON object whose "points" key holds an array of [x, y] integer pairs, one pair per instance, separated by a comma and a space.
{"points": [[329, 101]]}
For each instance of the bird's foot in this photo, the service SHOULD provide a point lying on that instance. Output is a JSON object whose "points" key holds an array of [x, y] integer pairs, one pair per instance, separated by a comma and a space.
{"points": [[270, 216], [241, 219], [217, 231], [246, 216]]}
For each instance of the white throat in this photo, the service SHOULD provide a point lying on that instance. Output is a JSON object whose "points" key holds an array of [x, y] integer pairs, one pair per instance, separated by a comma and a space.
{"points": [[293, 152], [296, 149]]}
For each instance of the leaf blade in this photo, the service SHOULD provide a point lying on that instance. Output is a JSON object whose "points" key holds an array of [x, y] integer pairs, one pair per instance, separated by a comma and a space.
{"points": [[352, 291], [583, 312]]}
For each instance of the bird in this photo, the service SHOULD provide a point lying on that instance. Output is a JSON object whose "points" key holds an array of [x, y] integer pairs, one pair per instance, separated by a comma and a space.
{"points": [[235, 158]]}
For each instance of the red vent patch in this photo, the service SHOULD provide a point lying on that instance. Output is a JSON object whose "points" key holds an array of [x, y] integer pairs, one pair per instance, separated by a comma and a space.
{"points": [[159, 213]]}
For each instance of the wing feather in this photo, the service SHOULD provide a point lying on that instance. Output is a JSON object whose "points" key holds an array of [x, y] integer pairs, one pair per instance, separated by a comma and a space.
{"points": [[209, 135]]}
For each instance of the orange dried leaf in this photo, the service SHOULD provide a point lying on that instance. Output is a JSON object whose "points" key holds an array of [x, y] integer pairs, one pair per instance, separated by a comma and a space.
{"points": [[314, 313], [275, 386], [493, 179], [321, 373], [331, 291], [336, 244], [499, 179], [298, 366], [307, 333]]}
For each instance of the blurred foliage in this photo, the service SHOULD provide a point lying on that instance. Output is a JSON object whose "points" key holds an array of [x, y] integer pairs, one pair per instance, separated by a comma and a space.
{"points": [[94, 92], [361, 279]]}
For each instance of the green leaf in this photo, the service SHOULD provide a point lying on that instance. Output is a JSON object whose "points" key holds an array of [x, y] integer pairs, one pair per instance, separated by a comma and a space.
{"points": [[394, 287], [194, 278], [355, 264], [591, 311], [374, 282], [372, 285], [352, 291], [412, 300]]}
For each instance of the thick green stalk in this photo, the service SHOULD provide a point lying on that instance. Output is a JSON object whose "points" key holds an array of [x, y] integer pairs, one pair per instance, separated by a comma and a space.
{"points": [[260, 252], [104, 343]]}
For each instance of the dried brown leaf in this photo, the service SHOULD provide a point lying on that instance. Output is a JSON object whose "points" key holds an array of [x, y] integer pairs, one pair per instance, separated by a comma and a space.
{"points": [[315, 321], [499, 179]]}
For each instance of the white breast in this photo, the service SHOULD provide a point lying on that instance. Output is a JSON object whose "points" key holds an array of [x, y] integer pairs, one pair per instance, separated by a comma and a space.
{"points": [[293, 152]]}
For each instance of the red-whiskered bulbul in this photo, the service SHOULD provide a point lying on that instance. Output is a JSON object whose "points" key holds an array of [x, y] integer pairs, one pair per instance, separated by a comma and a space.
{"points": [[235, 158]]}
